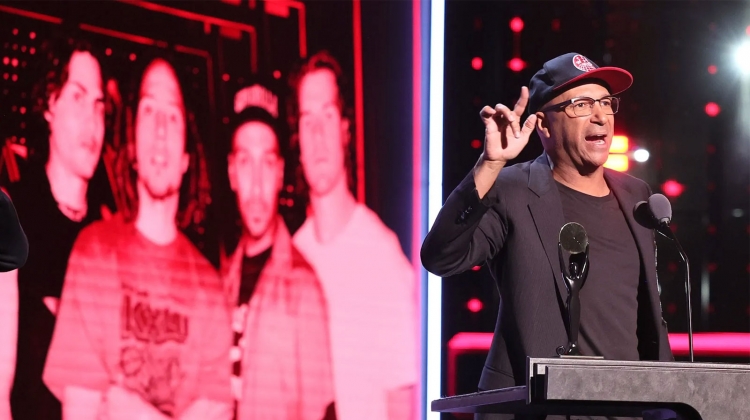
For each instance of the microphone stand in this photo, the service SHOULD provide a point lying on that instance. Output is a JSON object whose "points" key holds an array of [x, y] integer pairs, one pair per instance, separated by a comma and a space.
{"points": [[665, 230]]}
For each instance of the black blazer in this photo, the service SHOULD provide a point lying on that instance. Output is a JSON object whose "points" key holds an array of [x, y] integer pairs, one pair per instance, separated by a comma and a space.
{"points": [[515, 229]]}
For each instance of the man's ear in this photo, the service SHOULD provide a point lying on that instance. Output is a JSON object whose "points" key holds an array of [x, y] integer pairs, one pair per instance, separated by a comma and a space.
{"points": [[542, 125], [49, 112], [345, 131], [280, 174], [232, 173]]}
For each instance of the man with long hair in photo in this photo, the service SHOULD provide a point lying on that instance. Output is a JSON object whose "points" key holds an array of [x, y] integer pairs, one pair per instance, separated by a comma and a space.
{"points": [[142, 329]]}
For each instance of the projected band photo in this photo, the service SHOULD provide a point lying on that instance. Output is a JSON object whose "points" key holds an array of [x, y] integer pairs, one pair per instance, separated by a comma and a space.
{"points": [[200, 246]]}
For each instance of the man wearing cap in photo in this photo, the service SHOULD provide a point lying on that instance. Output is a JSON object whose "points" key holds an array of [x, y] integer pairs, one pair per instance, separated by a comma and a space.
{"points": [[510, 218]]}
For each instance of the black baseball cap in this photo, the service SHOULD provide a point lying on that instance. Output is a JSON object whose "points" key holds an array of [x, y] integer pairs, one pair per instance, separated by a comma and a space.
{"points": [[568, 68]]}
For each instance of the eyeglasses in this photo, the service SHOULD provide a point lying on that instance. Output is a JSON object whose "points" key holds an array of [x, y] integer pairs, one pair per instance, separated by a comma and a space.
{"points": [[584, 106]]}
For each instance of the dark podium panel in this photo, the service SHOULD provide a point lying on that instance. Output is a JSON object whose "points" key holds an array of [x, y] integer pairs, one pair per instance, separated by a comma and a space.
{"points": [[571, 386]]}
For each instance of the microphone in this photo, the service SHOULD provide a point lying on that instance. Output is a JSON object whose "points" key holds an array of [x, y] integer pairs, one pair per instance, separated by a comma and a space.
{"points": [[656, 213]]}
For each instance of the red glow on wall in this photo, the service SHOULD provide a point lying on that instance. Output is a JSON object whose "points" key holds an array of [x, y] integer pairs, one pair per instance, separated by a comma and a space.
{"points": [[476, 63], [474, 305], [516, 64], [712, 69], [555, 25], [132, 57], [225, 77], [712, 109], [108, 51], [476, 144], [672, 188], [516, 24], [276, 74]]}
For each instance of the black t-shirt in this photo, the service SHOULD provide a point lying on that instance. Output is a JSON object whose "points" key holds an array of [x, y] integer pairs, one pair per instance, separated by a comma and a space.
{"points": [[250, 274], [51, 236], [609, 298], [251, 268]]}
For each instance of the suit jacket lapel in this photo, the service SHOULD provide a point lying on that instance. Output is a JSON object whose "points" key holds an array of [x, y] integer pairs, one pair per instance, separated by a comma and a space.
{"points": [[546, 211], [644, 238]]}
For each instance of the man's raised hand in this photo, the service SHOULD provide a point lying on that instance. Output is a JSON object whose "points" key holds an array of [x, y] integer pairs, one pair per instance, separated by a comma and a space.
{"points": [[504, 137]]}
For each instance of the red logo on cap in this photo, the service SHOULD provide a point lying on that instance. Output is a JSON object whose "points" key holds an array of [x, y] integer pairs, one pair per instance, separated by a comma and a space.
{"points": [[582, 63]]}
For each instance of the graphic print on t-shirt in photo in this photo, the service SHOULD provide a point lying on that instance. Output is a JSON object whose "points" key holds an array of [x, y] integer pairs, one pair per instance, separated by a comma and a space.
{"points": [[153, 335]]}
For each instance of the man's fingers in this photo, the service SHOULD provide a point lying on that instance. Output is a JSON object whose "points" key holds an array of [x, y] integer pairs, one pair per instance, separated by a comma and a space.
{"points": [[510, 117], [522, 101], [486, 112]]}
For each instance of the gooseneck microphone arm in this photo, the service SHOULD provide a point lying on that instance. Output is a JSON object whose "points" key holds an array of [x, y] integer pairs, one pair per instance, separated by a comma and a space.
{"points": [[661, 210], [665, 230]]}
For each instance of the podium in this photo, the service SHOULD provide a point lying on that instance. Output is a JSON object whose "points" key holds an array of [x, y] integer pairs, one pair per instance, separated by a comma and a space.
{"points": [[573, 386]]}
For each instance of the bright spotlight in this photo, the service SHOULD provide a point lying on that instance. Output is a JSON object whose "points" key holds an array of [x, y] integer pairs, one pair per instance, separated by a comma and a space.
{"points": [[742, 57], [641, 155]]}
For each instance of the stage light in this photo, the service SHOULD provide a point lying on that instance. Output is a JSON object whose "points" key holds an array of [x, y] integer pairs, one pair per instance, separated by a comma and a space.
{"points": [[516, 24], [672, 188], [556, 25], [620, 144], [476, 63], [474, 305], [712, 109], [617, 162], [742, 57], [476, 144], [641, 155], [712, 69], [516, 64]]}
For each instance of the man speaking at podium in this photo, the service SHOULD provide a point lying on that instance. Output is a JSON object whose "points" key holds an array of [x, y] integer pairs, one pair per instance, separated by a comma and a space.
{"points": [[510, 218]]}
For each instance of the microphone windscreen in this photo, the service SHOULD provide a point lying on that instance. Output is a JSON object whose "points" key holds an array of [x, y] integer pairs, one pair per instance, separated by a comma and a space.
{"points": [[642, 215], [573, 238], [660, 208]]}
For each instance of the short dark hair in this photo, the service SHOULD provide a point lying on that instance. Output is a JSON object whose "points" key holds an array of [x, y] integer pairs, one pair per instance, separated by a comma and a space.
{"points": [[322, 60], [256, 114], [56, 53], [53, 64]]}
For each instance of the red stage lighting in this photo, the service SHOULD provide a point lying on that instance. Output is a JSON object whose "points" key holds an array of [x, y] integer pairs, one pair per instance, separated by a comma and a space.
{"points": [[476, 63], [672, 188], [474, 305], [516, 24], [516, 64], [712, 109]]}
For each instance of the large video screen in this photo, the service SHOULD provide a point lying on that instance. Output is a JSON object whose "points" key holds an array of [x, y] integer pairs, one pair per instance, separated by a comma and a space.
{"points": [[190, 177]]}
